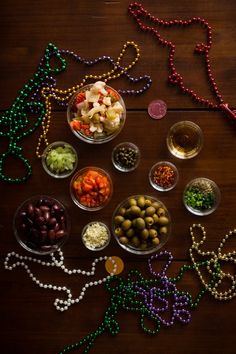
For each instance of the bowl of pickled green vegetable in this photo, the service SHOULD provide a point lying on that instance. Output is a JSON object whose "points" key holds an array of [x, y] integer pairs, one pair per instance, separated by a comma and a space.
{"points": [[141, 224], [59, 159]]}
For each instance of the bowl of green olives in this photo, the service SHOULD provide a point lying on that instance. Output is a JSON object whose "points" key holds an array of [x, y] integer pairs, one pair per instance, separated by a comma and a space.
{"points": [[141, 224]]}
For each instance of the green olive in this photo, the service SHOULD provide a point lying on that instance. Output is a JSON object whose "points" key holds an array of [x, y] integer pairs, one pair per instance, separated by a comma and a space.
{"points": [[152, 233], [119, 232], [141, 201], [140, 224], [142, 214], [148, 203], [118, 219], [161, 212], [134, 210], [163, 220], [155, 218], [150, 211], [143, 245], [121, 211], [124, 240], [149, 221], [131, 202], [163, 230], [144, 234], [156, 205], [126, 224], [155, 241], [130, 232], [135, 241]]}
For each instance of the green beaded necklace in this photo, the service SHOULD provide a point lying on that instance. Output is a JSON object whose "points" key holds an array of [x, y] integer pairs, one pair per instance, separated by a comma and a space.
{"points": [[15, 120]]}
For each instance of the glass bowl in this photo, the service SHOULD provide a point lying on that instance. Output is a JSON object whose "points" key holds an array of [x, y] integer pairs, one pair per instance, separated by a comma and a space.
{"points": [[41, 224], [141, 224], [163, 176], [96, 236], [125, 157], [185, 139], [201, 196], [59, 159], [91, 188], [96, 113]]}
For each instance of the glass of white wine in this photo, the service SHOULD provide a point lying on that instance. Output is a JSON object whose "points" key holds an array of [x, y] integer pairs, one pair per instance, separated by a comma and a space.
{"points": [[185, 139]]}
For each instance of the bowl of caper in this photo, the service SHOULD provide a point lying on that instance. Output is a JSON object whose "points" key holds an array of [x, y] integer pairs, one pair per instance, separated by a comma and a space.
{"points": [[141, 224]]}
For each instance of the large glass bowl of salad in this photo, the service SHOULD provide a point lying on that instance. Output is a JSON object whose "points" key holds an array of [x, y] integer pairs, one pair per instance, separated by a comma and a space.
{"points": [[96, 113]]}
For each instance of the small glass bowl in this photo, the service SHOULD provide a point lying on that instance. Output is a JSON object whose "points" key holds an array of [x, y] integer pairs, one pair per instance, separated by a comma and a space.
{"points": [[80, 186], [41, 224], [184, 139], [95, 138], [201, 196], [46, 166], [125, 157], [95, 225], [135, 228], [163, 176]]}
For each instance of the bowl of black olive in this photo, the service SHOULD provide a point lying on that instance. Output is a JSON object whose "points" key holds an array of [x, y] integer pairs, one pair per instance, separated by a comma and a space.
{"points": [[141, 224], [41, 224]]}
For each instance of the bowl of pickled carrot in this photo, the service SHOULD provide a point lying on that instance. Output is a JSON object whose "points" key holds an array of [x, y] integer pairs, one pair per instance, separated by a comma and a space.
{"points": [[91, 188]]}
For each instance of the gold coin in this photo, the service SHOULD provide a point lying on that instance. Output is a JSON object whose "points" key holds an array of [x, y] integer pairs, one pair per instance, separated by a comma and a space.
{"points": [[109, 265]]}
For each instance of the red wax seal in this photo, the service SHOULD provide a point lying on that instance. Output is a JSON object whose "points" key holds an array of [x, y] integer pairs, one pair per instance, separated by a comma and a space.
{"points": [[157, 109]]}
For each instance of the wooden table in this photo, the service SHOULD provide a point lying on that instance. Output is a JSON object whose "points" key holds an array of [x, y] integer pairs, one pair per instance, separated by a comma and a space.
{"points": [[29, 321]]}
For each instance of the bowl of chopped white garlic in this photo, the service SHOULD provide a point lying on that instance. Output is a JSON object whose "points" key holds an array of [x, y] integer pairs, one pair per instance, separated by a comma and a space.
{"points": [[96, 113], [96, 235]]}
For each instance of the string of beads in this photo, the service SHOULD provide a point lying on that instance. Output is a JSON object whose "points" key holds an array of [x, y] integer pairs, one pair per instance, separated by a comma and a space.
{"points": [[139, 13], [60, 304]]}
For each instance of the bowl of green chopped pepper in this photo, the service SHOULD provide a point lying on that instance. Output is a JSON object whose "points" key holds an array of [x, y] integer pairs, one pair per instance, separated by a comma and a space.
{"points": [[59, 159], [201, 196]]}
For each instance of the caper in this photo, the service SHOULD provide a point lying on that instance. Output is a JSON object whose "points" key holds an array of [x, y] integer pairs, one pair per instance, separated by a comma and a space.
{"points": [[118, 219], [144, 234], [163, 230], [130, 232], [148, 203], [124, 240], [150, 211], [163, 220], [140, 224], [126, 224], [152, 233], [155, 241], [119, 231], [149, 221], [135, 210], [135, 241], [131, 202], [161, 212], [141, 201]]}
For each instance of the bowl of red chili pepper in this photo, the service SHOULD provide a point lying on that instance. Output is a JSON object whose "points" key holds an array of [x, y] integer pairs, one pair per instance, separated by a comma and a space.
{"points": [[91, 188], [163, 176], [96, 113]]}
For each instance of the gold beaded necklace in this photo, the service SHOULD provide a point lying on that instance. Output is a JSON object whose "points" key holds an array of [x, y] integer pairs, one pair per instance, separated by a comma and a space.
{"points": [[59, 95]]}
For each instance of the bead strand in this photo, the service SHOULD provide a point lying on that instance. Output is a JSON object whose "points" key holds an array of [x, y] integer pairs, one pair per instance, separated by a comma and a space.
{"points": [[60, 305], [138, 12]]}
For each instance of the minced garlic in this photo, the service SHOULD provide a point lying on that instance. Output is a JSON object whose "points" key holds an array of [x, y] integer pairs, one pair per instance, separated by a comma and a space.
{"points": [[95, 236]]}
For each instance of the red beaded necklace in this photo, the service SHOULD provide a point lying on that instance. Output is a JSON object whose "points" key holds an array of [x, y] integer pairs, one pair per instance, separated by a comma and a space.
{"points": [[138, 11]]}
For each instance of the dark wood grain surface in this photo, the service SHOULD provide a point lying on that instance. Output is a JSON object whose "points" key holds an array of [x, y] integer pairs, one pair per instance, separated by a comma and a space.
{"points": [[29, 321]]}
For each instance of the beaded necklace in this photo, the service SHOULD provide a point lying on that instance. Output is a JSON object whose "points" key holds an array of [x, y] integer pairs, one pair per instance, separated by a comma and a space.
{"points": [[35, 98], [138, 12], [139, 294]]}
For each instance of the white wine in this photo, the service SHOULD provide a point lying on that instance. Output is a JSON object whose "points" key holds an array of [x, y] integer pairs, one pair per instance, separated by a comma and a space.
{"points": [[184, 139]]}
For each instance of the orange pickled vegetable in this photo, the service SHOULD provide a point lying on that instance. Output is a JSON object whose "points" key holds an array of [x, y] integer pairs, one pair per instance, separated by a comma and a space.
{"points": [[92, 188]]}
